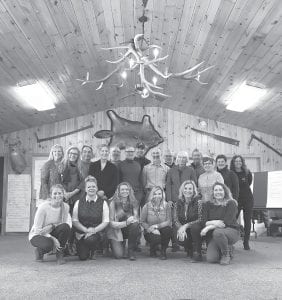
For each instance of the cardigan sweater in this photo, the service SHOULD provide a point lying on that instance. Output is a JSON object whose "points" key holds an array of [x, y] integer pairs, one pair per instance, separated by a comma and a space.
{"points": [[107, 179], [50, 175]]}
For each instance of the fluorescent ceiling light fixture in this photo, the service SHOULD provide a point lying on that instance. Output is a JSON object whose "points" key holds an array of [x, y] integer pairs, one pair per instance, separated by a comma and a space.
{"points": [[246, 96], [37, 95]]}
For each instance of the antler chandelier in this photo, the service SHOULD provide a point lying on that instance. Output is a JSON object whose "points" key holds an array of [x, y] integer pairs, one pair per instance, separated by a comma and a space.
{"points": [[145, 60]]}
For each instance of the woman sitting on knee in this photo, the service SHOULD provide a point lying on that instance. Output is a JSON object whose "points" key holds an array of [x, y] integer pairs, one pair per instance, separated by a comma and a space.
{"points": [[124, 221], [186, 220], [51, 228], [156, 220], [90, 218], [221, 227]]}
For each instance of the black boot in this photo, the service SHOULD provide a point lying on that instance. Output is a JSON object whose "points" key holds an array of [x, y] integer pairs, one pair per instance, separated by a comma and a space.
{"points": [[246, 245], [163, 254], [153, 251], [38, 254], [60, 256]]}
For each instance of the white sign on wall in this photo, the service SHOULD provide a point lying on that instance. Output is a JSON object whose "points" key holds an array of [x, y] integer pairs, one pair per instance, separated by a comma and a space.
{"points": [[18, 203]]}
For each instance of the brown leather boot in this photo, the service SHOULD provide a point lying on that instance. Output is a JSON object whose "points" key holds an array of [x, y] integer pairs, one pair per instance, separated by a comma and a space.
{"points": [[225, 258], [38, 254]]}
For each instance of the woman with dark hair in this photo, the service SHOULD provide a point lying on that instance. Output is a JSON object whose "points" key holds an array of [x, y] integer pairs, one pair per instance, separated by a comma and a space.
{"points": [[156, 220], [51, 227], [186, 220], [219, 216], [90, 218], [71, 177], [246, 198], [124, 221], [208, 178], [51, 171]]}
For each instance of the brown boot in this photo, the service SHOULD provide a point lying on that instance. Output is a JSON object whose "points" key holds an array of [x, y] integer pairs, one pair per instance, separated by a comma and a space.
{"points": [[197, 257], [131, 255], [60, 256], [38, 254], [225, 258]]}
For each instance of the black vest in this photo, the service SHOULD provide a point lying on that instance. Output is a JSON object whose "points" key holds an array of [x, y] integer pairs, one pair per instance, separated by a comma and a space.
{"points": [[90, 214]]}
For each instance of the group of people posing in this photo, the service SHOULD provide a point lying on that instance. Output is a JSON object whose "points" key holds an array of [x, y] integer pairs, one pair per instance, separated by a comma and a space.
{"points": [[93, 206]]}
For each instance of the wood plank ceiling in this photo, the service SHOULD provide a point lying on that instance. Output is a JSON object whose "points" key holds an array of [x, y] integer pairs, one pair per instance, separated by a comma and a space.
{"points": [[57, 41]]}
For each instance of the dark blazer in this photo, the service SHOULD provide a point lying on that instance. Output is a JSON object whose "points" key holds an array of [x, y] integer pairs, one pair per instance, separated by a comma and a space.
{"points": [[107, 179], [231, 180], [175, 178]]}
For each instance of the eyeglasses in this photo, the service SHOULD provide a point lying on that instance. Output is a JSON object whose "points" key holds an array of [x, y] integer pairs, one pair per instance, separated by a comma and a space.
{"points": [[207, 163]]}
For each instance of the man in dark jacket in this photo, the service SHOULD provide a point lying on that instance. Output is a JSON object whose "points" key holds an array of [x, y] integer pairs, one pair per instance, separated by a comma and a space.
{"points": [[230, 178]]}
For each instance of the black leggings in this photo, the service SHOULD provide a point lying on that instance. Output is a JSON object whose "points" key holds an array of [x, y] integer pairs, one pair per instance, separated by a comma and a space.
{"points": [[247, 208], [85, 246], [193, 241], [45, 244], [163, 238]]}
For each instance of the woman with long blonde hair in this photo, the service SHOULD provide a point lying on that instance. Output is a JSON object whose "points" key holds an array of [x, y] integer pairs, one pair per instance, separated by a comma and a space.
{"points": [[124, 221], [157, 222], [51, 171], [186, 220]]}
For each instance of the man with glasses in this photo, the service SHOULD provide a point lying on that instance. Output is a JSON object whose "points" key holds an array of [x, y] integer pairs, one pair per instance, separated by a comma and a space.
{"points": [[155, 173]]}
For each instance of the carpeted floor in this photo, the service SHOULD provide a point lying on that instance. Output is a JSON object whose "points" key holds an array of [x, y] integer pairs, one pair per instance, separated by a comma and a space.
{"points": [[255, 274]]}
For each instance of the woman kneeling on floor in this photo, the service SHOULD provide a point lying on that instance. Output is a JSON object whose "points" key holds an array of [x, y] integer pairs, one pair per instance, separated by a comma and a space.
{"points": [[124, 222], [156, 220], [51, 228], [186, 220], [221, 227], [90, 217]]}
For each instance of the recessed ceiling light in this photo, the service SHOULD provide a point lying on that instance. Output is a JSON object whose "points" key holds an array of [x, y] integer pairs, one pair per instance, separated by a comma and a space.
{"points": [[246, 96], [37, 95]]}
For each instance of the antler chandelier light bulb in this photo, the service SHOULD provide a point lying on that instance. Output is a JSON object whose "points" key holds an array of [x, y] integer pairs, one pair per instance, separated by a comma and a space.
{"points": [[145, 60]]}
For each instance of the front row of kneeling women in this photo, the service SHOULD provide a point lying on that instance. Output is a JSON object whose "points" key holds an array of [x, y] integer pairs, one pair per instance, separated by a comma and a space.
{"points": [[95, 220]]}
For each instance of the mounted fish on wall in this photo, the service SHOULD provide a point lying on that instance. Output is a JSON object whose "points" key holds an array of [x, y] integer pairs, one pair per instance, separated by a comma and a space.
{"points": [[127, 133], [17, 156]]}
